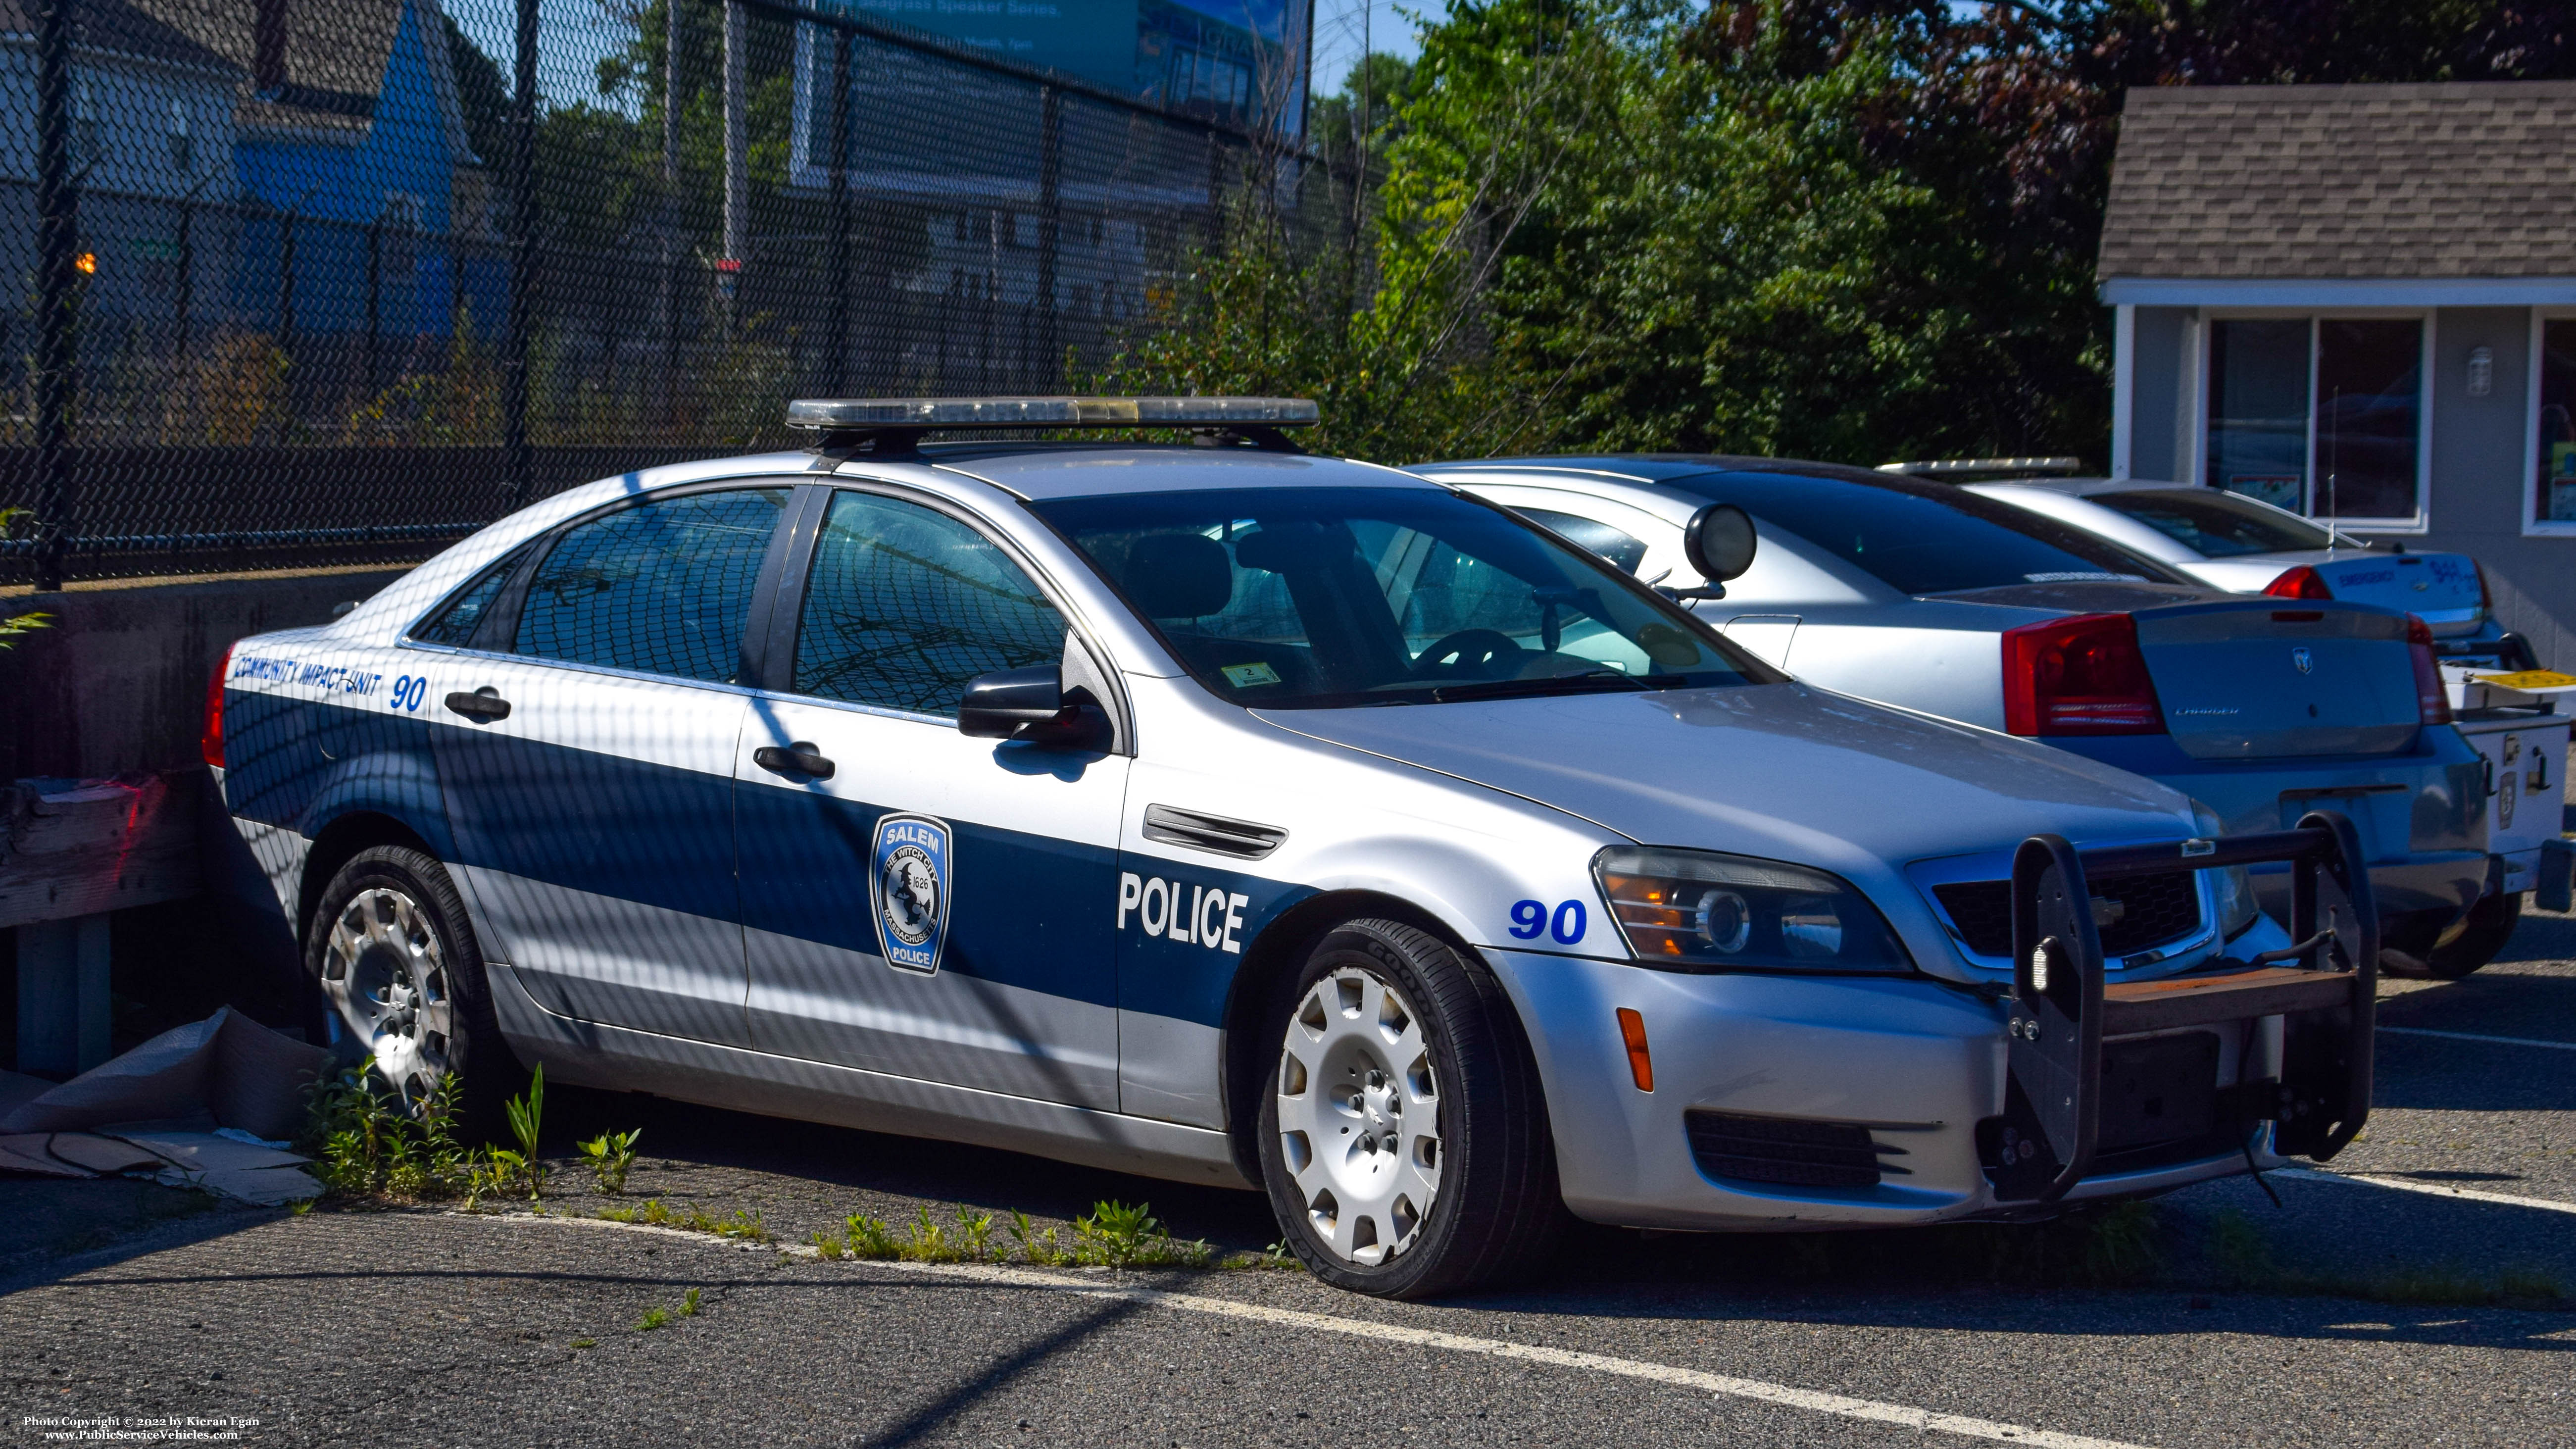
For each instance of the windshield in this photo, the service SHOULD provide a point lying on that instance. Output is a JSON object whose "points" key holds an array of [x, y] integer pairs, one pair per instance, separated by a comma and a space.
{"points": [[1307, 598], [1926, 538], [2218, 525]]}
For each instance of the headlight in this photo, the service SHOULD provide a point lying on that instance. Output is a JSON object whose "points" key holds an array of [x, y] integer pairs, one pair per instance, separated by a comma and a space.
{"points": [[1697, 910], [2231, 886]]}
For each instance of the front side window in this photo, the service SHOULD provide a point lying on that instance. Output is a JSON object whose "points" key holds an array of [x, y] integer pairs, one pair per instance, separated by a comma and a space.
{"points": [[2321, 416], [904, 605], [1926, 538], [663, 587], [2557, 500], [2215, 524], [1302, 598], [1625, 552]]}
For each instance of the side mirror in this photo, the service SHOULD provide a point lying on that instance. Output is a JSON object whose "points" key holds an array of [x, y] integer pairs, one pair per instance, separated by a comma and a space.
{"points": [[1719, 542], [1028, 704]]}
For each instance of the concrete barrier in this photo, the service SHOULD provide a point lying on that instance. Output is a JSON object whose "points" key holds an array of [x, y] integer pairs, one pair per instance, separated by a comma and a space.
{"points": [[118, 684]]}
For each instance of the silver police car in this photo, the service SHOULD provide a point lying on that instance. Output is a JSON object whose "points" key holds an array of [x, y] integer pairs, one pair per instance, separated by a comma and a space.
{"points": [[1228, 814]]}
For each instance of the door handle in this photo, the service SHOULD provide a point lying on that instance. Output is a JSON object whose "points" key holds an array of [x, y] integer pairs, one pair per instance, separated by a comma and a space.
{"points": [[798, 758], [482, 706]]}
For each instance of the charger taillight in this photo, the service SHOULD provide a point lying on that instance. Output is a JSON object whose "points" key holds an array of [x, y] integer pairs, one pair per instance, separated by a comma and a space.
{"points": [[2080, 675], [211, 744], [2432, 696], [2300, 582]]}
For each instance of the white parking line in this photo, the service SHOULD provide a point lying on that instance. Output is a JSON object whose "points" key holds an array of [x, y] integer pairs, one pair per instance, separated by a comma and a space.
{"points": [[2529, 1041], [1725, 1386], [2436, 1189]]}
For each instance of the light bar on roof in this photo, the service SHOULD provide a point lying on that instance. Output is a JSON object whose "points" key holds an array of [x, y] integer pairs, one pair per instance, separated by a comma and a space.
{"points": [[840, 414], [1955, 466]]}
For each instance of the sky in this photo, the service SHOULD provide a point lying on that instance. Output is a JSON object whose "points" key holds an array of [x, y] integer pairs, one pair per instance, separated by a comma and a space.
{"points": [[1388, 25]]}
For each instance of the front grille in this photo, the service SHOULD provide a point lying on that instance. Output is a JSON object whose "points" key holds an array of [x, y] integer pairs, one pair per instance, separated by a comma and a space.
{"points": [[1787, 1150], [2153, 910]]}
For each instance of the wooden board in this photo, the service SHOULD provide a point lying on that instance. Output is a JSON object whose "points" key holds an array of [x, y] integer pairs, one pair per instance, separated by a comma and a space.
{"points": [[77, 848], [2135, 1006]]}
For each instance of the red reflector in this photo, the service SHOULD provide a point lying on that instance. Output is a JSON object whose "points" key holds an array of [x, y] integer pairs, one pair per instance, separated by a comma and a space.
{"points": [[211, 745], [2432, 696], [2081, 675], [1632, 1030], [2301, 582]]}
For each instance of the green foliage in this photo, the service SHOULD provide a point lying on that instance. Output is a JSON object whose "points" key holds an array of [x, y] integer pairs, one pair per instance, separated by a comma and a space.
{"points": [[870, 1238], [1116, 1235], [653, 1318], [364, 1144], [745, 1225], [611, 1156], [689, 1304]]}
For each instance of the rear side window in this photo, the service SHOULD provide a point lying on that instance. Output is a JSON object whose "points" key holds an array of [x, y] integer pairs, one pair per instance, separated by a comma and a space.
{"points": [[2218, 525], [905, 604], [456, 623], [1927, 538], [1625, 552], [663, 587]]}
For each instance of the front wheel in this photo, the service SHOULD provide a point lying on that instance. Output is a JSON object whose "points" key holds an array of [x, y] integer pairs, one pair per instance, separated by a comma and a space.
{"points": [[393, 957], [2489, 925], [1404, 1136]]}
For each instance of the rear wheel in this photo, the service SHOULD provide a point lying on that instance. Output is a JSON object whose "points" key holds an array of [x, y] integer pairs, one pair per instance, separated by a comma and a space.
{"points": [[2489, 926], [1404, 1137], [392, 956]]}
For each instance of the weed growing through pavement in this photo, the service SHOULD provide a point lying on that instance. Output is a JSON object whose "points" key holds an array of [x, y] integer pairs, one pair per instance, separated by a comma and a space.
{"points": [[585, 1343], [689, 1304], [653, 1318], [366, 1147], [611, 1156]]}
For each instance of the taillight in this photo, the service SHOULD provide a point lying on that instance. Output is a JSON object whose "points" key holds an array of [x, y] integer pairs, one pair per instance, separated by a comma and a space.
{"points": [[2081, 675], [211, 745], [2432, 696], [2300, 582]]}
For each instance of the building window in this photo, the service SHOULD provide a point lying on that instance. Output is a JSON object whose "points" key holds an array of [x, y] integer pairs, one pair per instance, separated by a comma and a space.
{"points": [[2557, 500], [2321, 415], [183, 147]]}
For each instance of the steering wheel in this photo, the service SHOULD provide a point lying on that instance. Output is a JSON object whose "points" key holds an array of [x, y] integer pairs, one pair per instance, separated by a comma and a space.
{"points": [[1470, 654]]}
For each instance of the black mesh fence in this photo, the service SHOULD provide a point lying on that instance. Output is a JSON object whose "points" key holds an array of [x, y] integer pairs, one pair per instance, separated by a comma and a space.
{"points": [[318, 281]]}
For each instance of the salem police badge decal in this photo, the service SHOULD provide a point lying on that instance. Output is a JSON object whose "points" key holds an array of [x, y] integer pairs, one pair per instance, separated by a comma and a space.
{"points": [[911, 885]]}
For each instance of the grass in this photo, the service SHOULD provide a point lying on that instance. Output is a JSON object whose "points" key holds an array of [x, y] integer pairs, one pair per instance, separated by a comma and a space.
{"points": [[367, 1149], [653, 1318]]}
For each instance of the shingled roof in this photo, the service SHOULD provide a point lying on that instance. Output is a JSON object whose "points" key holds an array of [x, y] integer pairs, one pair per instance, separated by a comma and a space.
{"points": [[2474, 179]]}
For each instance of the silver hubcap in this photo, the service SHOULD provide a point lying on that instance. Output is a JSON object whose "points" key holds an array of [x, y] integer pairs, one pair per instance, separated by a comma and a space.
{"points": [[1359, 1116], [385, 977]]}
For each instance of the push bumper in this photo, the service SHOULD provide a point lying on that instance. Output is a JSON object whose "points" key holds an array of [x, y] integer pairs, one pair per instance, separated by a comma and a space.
{"points": [[1892, 1097]]}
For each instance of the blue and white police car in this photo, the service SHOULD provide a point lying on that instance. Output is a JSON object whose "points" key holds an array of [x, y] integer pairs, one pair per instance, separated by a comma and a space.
{"points": [[1223, 813]]}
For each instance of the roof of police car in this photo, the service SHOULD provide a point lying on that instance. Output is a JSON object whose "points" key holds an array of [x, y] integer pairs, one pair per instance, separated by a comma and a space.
{"points": [[1045, 471]]}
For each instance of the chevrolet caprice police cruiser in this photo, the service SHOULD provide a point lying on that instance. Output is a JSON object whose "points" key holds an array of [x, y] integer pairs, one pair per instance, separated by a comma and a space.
{"points": [[1234, 815]]}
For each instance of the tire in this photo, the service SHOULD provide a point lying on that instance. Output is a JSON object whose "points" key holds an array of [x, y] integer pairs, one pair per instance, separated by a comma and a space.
{"points": [[2490, 925], [391, 957], [1403, 1075]]}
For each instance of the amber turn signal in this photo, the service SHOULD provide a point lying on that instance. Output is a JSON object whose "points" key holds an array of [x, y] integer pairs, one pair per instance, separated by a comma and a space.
{"points": [[1632, 1030]]}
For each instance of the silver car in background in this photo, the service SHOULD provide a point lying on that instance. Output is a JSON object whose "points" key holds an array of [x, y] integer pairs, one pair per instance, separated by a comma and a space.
{"points": [[2245, 546], [1925, 595]]}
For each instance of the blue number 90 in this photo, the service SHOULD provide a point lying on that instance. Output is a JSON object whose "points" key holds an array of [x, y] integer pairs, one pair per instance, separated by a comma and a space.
{"points": [[1529, 918]]}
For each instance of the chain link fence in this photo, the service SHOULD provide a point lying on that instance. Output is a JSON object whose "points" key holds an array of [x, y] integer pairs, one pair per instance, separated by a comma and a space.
{"points": [[307, 282]]}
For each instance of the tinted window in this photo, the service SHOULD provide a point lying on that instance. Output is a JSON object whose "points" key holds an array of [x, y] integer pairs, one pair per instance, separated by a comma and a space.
{"points": [[1925, 538], [2218, 525], [905, 605], [1601, 538], [455, 624], [1315, 597], [662, 587]]}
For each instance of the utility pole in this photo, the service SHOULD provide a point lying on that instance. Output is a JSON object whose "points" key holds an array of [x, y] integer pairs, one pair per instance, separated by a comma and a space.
{"points": [[737, 145]]}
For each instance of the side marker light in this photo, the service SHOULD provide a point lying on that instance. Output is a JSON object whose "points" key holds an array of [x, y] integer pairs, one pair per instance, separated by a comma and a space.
{"points": [[1632, 1030]]}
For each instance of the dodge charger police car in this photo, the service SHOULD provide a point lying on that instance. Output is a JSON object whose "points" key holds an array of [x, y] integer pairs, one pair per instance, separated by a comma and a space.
{"points": [[1234, 815]]}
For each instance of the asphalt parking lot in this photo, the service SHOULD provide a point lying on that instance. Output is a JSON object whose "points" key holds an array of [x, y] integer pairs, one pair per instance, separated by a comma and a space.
{"points": [[2413, 1305]]}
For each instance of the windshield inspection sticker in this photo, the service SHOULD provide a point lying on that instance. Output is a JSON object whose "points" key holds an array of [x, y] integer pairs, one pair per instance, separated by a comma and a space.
{"points": [[911, 886], [1246, 676]]}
